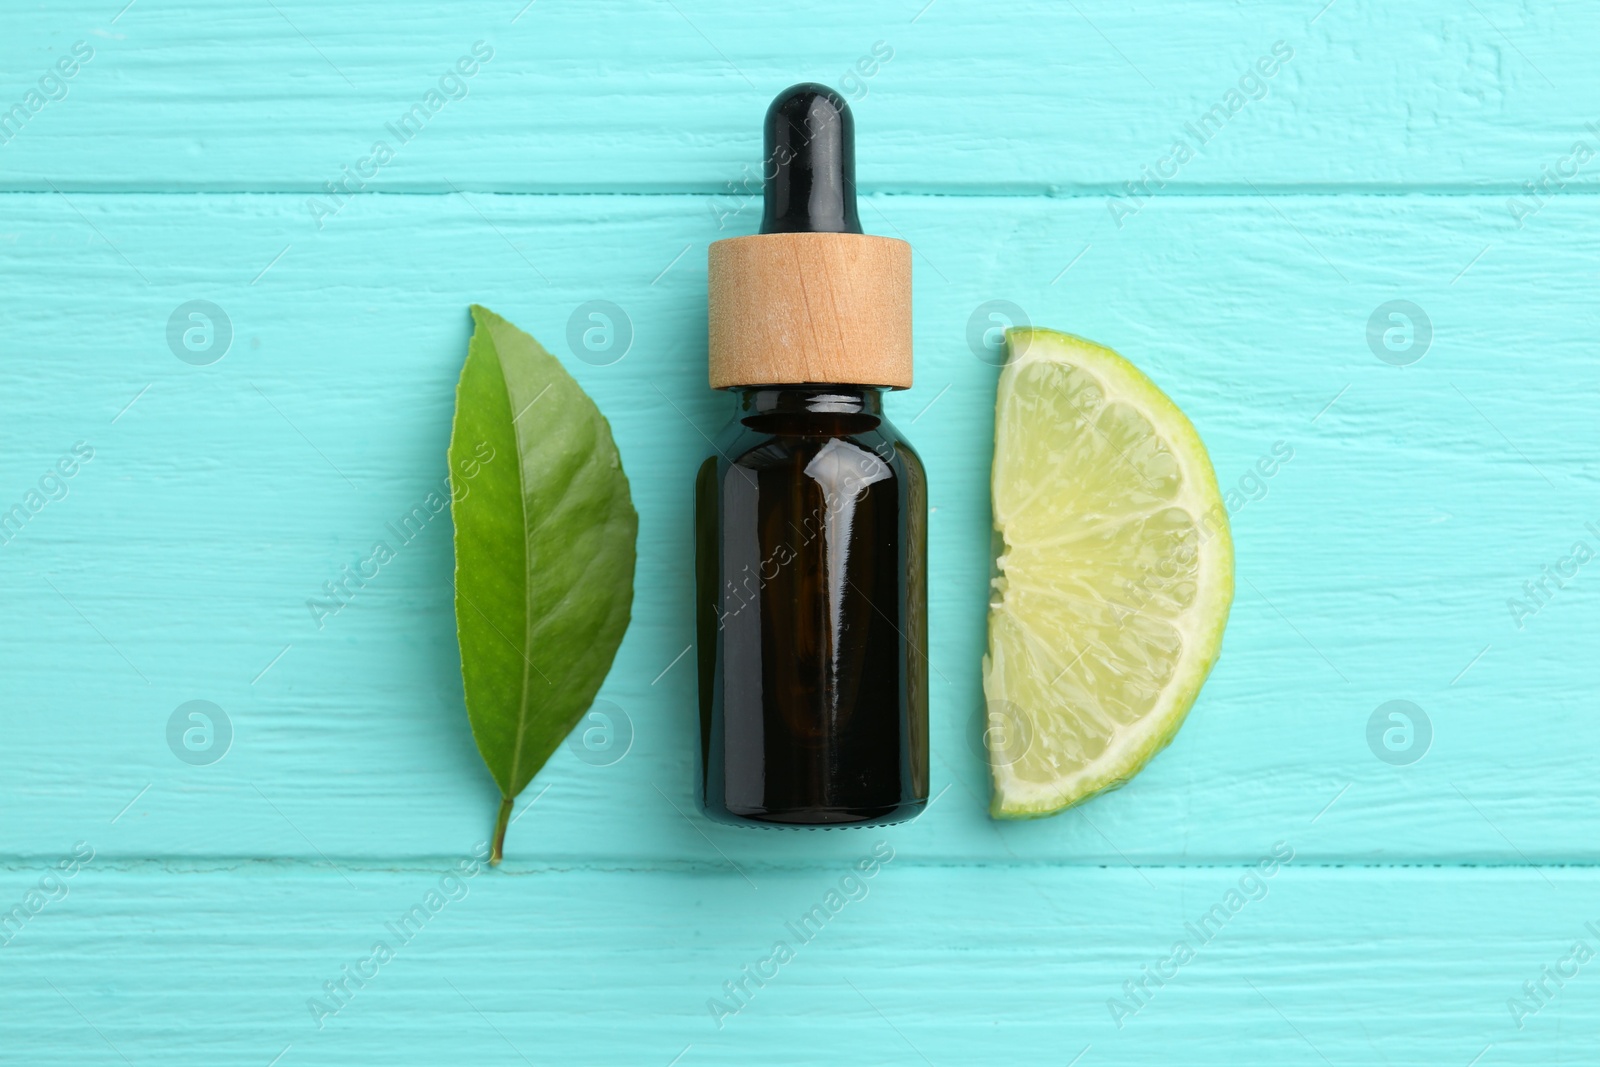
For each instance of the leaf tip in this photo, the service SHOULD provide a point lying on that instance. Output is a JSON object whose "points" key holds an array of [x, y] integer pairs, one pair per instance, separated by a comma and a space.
{"points": [[482, 316]]}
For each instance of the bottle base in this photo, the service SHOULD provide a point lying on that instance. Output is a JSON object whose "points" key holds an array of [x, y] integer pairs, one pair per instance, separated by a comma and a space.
{"points": [[819, 818]]}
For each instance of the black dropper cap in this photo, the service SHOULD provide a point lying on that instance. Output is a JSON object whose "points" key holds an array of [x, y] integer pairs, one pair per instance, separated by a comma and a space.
{"points": [[810, 163]]}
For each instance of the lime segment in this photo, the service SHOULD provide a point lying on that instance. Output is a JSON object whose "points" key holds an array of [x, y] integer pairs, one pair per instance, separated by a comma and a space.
{"points": [[1113, 574]]}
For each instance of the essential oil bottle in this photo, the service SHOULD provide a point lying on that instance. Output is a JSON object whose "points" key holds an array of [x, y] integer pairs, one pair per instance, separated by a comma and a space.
{"points": [[811, 510]]}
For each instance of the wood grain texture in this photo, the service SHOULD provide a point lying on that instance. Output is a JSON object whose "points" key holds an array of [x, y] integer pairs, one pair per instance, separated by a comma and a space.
{"points": [[1024, 95], [1376, 564], [1402, 532], [918, 965]]}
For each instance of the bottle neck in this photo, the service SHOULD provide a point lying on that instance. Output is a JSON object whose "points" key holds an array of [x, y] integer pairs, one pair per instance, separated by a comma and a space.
{"points": [[819, 399]]}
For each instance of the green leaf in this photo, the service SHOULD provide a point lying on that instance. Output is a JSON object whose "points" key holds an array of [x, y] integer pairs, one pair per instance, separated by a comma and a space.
{"points": [[544, 541]]}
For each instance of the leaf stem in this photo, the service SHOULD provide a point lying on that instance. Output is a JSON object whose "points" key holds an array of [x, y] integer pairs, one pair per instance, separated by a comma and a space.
{"points": [[496, 853]]}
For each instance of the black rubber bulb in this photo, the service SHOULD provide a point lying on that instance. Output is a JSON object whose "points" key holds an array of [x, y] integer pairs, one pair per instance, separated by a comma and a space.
{"points": [[810, 163]]}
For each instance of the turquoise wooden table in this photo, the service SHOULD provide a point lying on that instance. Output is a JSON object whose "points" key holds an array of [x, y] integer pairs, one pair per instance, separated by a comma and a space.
{"points": [[1355, 241]]}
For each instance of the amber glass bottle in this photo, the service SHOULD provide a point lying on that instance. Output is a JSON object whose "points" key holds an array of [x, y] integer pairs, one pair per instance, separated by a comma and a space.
{"points": [[811, 511]]}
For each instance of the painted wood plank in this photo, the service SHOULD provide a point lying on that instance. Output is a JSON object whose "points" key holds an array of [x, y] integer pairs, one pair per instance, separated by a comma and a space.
{"points": [[912, 965], [1374, 565], [623, 95]]}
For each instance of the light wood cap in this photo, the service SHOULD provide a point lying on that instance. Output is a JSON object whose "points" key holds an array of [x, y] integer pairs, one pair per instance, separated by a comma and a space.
{"points": [[788, 308]]}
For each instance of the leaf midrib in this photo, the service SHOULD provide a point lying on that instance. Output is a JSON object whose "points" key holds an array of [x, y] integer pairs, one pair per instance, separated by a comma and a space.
{"points": [[527, 586]]}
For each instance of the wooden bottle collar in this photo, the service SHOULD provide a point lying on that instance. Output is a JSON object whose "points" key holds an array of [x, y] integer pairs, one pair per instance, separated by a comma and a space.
{"points": [[788, 308]]}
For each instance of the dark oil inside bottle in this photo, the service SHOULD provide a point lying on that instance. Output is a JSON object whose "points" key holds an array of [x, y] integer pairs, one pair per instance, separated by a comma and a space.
{"points": [[812, 613]]}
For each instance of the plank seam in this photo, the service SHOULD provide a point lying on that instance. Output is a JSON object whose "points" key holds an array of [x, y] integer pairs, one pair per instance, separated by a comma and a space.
{"points": [[1042, 193], [202, 865]]}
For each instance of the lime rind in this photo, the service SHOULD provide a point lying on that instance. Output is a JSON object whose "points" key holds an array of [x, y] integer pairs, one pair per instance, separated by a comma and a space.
{"points": [[1199, 626]]}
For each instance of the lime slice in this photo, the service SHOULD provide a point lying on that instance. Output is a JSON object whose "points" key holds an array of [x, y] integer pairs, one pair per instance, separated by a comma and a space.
{"points": [[1113, 574]]}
